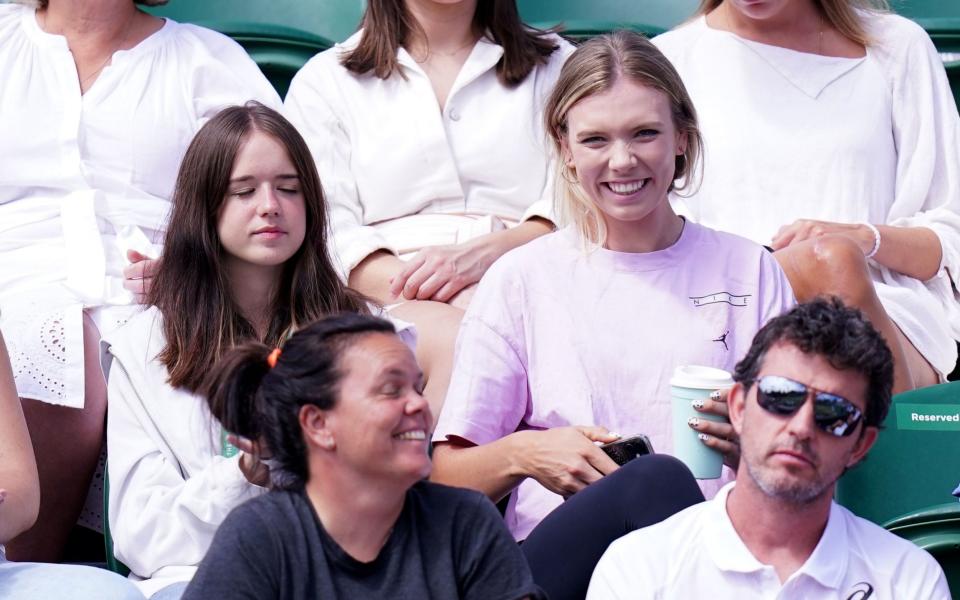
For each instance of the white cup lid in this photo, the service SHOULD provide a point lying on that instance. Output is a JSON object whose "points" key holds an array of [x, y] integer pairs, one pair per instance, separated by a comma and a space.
{"points": [[704, 378]]}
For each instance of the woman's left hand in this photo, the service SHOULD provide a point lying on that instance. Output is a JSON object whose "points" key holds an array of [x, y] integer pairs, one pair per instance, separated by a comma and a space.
{"points": [[807, 229], [718, 435], [439, 272]]}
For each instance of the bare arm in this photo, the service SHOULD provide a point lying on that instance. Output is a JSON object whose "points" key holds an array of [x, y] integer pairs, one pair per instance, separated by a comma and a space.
{"points": [[439, 272], [18, 468], [373, 275], [564, 460], [913, 251]]}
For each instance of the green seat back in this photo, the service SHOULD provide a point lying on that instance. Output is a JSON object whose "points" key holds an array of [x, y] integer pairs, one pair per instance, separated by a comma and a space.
{"points": [[280, 35], [584, 19], [936, 529], [112, 563], [915, 462]]}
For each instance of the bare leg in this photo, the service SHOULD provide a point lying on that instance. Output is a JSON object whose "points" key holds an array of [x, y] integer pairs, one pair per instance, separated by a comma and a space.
{"points": [[437, 326], [67, 444], [835, 265]]}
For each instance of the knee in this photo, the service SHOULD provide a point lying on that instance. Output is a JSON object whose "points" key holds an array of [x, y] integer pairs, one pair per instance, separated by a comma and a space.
{"points": [[658, 473], [833, 265]]}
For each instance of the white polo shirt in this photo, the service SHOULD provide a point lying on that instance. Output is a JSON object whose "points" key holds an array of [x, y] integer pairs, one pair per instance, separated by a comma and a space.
{"points": [[698, 554]]}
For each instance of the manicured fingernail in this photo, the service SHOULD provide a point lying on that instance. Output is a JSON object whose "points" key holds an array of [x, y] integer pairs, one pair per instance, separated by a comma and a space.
{"points": [[703, 437], [715, 395], [698, 403], [693, 422], [614, 434]]}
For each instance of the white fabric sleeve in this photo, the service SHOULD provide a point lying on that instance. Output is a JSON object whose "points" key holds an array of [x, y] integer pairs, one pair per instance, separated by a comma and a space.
{"points": [[158, 518], [488, 393], [308, 106], [224, 75], [545, 206], [926, 131], [776, 295]]}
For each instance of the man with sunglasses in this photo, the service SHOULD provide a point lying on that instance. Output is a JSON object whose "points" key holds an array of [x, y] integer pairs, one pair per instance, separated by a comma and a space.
{"points": [[810, 396]]}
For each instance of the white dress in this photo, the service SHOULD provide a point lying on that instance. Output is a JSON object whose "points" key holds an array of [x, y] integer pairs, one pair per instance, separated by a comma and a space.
{"points": [[85, 177], [399, 174], [792, 135], [171, 483]]}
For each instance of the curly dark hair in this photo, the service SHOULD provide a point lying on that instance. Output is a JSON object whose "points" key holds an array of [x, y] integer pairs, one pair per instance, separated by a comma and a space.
{"points": [[251, 399], [840, 334]]}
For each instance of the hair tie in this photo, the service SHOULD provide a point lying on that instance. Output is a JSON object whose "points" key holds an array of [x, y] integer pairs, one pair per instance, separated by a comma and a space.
{"points": [[273, 357]]}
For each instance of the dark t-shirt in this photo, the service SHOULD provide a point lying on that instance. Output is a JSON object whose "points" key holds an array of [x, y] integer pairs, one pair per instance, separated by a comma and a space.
{"points": [[447, 543]]}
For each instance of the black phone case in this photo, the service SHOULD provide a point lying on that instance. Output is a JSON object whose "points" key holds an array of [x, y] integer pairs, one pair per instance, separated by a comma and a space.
{"points": [[623, 451]]}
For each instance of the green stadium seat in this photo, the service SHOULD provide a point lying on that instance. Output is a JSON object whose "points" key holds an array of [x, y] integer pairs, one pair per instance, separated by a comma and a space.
{"points": [[936, 530], [915, 462], [581, 19], [280, 35], [112, 563]]}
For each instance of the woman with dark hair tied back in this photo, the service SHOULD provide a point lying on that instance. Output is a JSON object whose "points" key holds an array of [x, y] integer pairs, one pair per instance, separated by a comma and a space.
{"points": [[339, 409], [426, 129], [245, 259]]}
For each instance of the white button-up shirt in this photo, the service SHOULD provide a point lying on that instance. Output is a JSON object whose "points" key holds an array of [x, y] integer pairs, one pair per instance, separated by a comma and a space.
{"points": [[697, 554], [385, 150]]}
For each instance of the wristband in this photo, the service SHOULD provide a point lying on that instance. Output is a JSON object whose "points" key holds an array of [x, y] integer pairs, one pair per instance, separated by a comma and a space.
{"points": [[876, 240]]}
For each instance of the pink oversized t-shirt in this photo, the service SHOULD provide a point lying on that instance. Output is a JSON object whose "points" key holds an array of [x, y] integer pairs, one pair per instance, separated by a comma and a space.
{"points": [[557, 336]]}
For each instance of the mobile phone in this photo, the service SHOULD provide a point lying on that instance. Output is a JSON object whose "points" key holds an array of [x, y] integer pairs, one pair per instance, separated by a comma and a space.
{"points": [[624, 450]]}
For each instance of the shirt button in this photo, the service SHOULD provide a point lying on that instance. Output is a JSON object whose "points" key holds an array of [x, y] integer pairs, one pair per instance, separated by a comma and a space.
{"points": [[454, 115]]}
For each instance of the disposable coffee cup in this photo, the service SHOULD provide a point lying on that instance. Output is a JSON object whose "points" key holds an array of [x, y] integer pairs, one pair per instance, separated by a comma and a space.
{"points": [[690, 383]]}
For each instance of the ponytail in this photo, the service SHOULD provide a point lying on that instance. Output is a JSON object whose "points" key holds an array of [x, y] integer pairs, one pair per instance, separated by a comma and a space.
{"points": [[232, 389]]}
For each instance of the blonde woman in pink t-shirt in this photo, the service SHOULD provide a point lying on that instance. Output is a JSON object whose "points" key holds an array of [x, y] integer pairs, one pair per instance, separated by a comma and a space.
{"points": [[575, 334]]}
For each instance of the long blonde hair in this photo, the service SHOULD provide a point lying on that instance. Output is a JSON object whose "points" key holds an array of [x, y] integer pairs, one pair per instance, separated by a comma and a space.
{"points": [[843, 15], [593, 69]]}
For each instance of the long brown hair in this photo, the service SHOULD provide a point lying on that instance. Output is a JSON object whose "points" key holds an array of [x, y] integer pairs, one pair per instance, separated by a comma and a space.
{"points": [[387, 25], [843, 15], [593, 69], [200, 318]]}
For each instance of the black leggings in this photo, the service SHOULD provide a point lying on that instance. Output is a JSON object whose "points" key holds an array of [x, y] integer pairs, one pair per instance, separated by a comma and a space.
{"points": [[565, 547]]}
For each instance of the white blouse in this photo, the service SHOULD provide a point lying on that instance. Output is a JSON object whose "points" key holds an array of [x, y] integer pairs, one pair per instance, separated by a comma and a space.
{"points": [[385, 150], [791, 135], [86, 177]]}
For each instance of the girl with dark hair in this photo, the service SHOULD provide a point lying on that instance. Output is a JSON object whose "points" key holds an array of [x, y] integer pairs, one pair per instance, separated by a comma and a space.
{"points": [[426, 129], [341, 410], [98, 103], [245, 258]]}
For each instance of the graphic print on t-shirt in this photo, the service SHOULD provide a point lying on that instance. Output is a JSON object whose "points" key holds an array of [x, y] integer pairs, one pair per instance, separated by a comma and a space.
{"points": [[731, 299]]}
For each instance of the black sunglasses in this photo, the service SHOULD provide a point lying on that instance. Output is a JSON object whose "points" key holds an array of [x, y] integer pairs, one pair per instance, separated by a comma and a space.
{"points": [[831, 413]]}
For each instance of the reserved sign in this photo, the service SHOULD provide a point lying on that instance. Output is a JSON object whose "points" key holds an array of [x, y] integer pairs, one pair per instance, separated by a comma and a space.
{"points": [[929, 417]]}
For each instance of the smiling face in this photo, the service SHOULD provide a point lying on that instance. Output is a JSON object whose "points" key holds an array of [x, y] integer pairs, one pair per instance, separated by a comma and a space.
{"points": [[379, 427], [623, 144], [262, 221], [788, 457]]}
